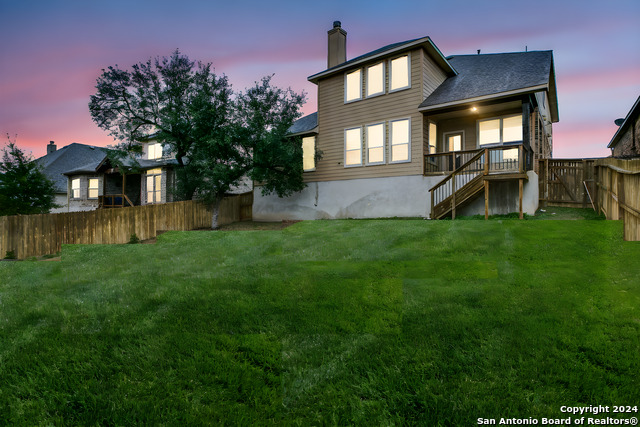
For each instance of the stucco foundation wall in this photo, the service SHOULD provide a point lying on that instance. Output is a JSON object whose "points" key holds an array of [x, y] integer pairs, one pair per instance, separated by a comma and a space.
{"points": [[404, 196], [504, 198]]}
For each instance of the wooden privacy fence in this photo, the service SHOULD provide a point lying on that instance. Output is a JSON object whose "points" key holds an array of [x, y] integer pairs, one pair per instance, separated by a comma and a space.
{"points": [[610, 186], [36, 235], [618, 193]]}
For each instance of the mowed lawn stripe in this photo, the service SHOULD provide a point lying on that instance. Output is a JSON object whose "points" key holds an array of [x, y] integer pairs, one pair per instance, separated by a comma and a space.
{"points": [[325, 322]]}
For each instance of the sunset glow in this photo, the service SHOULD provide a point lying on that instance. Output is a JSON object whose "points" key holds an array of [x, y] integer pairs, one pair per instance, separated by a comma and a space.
{"points": [[53, 52]]}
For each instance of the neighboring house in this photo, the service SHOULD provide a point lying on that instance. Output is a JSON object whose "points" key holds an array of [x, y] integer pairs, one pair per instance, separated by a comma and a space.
{"points": [[393, 123], [56, 162], [86, 180], [150, 182], [625, 143]]}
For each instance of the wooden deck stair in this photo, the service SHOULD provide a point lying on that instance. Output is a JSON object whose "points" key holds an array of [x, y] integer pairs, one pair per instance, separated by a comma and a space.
{"points": [[462, 197], [466, 182]]}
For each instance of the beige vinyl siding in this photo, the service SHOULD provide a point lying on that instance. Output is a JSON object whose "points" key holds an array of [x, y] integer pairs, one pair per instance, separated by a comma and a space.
{"points": [[432, 75], [334, 116]]}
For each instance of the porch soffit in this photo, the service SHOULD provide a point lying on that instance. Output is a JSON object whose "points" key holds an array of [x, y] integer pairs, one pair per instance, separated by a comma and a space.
{"points": [[464, 110]]}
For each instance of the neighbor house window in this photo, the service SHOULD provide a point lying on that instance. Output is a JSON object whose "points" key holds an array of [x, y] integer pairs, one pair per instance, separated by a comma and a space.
{"points": [[309, 153], [375, 143], [375, 80], [399, 74], [353, 86], [154, 151], [154, 185], [353, 147], [500, 130], [75, 188], [93, 188], [400, 140]]}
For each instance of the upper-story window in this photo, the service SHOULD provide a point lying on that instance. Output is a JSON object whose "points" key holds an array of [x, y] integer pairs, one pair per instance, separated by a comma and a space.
{"points": [[500, 130], [353, 86], [375, 80], [399, 73], [309, 153], [154, 151]]}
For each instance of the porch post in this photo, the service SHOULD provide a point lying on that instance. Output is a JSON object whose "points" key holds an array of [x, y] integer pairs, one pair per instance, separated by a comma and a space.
{"points": [[520, 196], [124, 187], [526, 124]]}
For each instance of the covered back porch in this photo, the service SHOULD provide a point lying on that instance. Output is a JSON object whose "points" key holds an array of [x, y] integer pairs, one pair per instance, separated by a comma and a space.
{"points": [[472, 145]]}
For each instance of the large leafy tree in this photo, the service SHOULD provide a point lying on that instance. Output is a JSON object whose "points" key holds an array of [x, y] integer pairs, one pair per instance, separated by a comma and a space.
{"points": [[24, 189], [219, 137]]}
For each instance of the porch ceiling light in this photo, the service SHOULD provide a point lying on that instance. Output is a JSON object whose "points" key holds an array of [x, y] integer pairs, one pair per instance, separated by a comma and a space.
{"points": [[474, 109]]}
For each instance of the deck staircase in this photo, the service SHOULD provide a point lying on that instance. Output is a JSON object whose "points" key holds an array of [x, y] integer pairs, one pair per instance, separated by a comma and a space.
{"points": [[466, 182]]}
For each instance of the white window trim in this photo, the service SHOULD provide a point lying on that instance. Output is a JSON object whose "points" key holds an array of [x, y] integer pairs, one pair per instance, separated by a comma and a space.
{"points": [[89, 188], [408, 55], [391, 161], [73, 196], [345, 147], [346, 101], [501, 118], [384, 144], [315, 141], [444, 140], [384, 83]]}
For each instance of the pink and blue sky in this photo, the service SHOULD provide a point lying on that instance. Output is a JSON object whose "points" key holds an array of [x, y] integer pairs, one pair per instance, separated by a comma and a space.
{"points": [[52, 52]]}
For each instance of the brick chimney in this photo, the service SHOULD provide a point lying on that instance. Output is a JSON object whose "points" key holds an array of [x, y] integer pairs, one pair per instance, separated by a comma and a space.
{"points": [[337, 45], [51, 148]]}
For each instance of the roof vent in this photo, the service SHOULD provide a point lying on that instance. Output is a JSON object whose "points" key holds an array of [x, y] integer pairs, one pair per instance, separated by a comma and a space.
{"points": [[618, 122]]}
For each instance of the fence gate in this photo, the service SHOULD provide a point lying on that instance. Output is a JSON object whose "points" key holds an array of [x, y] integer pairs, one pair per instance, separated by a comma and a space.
{"points": [[566, 182]]}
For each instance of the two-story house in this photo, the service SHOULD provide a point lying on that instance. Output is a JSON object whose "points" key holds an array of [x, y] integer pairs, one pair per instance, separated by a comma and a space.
{"points": [[405, 131]]}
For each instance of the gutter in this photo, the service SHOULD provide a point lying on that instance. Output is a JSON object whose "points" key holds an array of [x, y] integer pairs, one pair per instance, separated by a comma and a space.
{"points": [[493, 96]]}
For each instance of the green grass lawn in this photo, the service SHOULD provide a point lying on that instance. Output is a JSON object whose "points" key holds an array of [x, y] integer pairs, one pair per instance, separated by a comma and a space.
{"points": [[325, 322]]}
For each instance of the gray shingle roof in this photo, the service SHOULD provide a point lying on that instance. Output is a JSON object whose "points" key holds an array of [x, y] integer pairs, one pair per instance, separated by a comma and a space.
{"points": [[304, 124], [491, 74], [373, 53], [54, 165], [425, 42]]}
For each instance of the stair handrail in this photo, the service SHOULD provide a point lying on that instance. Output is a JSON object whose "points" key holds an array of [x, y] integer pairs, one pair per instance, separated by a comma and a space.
{"points": [[481, 152]]}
